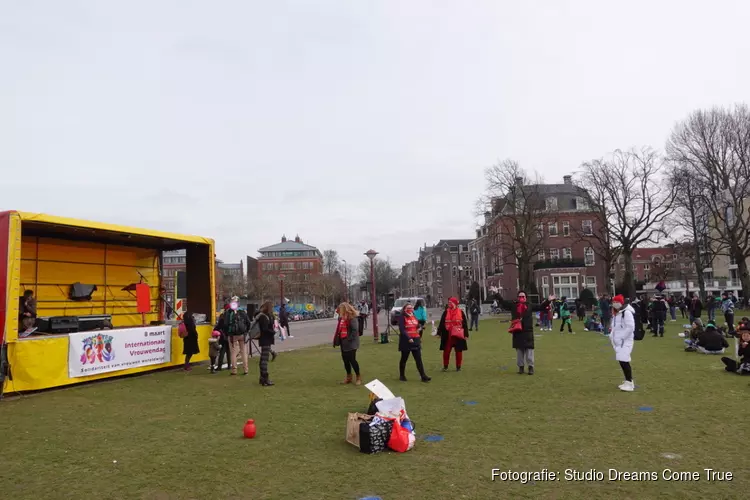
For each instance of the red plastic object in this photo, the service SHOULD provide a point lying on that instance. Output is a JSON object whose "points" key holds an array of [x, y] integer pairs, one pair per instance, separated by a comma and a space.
{"points": [[249, 430]]}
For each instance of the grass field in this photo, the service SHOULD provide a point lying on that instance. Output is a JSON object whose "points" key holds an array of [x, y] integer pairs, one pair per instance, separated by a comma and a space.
{"points": [[178, 436]]}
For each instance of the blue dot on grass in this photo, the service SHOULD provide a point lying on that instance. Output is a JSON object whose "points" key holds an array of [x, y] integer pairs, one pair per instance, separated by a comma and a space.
{"points": [[471, 403], [433, 438], [645, 408], [370, 498]]}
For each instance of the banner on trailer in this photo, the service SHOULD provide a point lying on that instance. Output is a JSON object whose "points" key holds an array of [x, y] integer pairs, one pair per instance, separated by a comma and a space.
{"points": [[92, 353]]}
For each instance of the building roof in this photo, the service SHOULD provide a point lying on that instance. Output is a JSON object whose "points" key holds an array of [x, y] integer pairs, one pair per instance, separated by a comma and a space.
{"points": [[453, 243], [288, 246]]}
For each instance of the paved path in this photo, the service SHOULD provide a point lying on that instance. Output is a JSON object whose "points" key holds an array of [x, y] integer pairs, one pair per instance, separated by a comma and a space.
{"points": [[317, 332]]}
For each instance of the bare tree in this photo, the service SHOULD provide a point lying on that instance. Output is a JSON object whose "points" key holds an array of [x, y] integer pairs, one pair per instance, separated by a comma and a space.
{"points": [[386, 277], [692, 217], [518, 213], [714, 148], [598, 235], [331, 261], [328, 287], [264, 288], [635, 204]]}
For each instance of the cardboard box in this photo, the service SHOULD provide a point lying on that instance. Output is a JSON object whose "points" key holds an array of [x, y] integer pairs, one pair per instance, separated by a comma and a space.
{"points": [[352, 427]]}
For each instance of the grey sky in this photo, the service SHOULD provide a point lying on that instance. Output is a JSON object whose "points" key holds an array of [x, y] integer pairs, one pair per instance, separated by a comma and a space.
{"points": [[356, 124]]}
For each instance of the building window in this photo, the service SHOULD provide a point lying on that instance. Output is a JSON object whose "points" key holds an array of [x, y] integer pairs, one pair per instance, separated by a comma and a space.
{"points": [[582, 203], [454, 271], [732, 260], [588, 228], [540, 231], [552, 228], [540, 257], [567, 254], [591, 281], [454, 258], [551, 204], [566, 228], [439, 272], [545, 280], [588, 255], [437, 259], [646, 267], [556, 280], [554, 254]]}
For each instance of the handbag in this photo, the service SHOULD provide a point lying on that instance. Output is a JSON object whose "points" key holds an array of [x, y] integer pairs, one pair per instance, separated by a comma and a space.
{"points": [[182, 331], [458, 332], [515, 326], [399, 439]]}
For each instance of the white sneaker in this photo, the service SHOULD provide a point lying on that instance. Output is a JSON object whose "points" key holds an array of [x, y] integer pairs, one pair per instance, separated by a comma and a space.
{"points": [[627, 386], [585, 329]]}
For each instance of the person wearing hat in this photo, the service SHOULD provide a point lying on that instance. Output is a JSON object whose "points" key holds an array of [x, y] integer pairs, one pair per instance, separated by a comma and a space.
{"points": [[711, 340], [622, 338], [453, 317], [523, 339]]}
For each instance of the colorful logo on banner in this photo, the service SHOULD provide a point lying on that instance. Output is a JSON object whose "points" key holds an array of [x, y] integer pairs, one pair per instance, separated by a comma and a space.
{"points": [[97, 348]]}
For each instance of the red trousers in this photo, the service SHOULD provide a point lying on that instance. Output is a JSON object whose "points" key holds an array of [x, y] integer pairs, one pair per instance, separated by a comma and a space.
{"points": [[447, 353]]}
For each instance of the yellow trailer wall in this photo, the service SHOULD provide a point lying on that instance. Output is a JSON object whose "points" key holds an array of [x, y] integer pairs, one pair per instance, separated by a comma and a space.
{"points": [[50, 266]]}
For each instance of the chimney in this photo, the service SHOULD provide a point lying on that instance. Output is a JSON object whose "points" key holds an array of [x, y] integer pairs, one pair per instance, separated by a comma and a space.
{"points": [[283, 238], [568, 180], [487, 216]]}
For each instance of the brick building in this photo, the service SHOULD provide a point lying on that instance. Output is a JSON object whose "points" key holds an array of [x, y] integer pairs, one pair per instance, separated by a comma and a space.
{"points": [[567, 260], [172, 262], [300, 264], [443, 270], [230, 280]]}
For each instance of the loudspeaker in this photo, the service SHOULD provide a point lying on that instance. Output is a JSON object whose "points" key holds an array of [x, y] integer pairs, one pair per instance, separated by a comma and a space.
{"points": [[79, 291]]}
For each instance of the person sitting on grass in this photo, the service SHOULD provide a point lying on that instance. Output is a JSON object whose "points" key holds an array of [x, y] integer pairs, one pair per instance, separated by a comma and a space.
{"points": [[710, 341], [594, 324], [693, 334], [743, 353]]}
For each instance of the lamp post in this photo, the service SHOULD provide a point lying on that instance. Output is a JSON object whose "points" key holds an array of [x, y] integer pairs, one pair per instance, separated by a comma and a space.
{"points": [[346, 283], [371, 255], [281, 288]]}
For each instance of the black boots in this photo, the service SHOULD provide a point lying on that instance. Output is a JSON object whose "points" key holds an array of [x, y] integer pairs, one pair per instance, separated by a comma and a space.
{"points": [[265, 382], [520, 370], [531, 370]]}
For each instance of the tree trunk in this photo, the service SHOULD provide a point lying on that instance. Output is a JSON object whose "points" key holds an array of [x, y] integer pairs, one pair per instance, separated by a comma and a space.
{"points": [[628, 279], [742, 270]]}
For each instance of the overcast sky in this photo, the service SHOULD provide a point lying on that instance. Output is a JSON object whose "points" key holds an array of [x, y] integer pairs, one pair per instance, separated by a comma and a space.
{"points": [[355, 124]]}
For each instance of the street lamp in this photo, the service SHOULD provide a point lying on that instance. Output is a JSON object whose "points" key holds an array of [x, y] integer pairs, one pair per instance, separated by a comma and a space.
{"points": [[371, 255], [346, 283], [281, 287]]}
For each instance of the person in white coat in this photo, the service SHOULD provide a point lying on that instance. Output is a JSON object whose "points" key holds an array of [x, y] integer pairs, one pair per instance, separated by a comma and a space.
{"points": [[622, 337]]}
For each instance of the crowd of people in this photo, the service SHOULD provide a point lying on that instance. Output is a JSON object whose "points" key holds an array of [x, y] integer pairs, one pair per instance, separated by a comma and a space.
{"points": [[621, 320]]}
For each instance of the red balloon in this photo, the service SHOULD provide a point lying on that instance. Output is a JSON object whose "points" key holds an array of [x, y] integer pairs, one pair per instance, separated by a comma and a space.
{"points": [[249, 430]]}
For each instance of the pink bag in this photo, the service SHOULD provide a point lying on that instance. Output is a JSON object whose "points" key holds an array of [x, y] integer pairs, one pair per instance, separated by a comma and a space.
{"points": [[182, 331]]}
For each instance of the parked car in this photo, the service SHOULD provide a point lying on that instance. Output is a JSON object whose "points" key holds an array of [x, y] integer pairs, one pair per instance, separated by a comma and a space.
{"points": [[399, 304]]}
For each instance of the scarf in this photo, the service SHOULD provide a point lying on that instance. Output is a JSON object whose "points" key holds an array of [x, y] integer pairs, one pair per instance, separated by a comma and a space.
{"points": [[453, 315], [521, 309]]}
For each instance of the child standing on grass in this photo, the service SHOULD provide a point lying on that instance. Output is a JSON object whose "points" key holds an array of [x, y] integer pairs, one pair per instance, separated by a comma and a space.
{"points": [[565, 317], [214, 347]]}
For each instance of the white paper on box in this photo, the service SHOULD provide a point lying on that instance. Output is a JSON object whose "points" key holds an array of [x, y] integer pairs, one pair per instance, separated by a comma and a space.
{"points": [[391, 408], [380, 390]]}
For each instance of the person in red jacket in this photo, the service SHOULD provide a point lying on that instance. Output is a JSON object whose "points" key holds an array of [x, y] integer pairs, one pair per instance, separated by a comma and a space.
{"points": [[409, 342], [453, 317]]}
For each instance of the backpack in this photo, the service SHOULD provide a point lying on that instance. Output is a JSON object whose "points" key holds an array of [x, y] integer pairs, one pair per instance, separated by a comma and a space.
{"points": [[639, 332], [254, 331]]}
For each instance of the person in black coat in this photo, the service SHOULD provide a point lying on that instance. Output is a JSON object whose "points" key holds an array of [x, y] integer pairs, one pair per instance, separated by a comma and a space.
{"points": [[659, 313], [189, 342], [452, 317], [523, 340], [267, 339], [695, 306], [284, 319]]}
